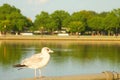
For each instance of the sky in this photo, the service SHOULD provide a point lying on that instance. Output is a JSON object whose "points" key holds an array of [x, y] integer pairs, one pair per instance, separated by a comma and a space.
{"points": [[31, 8]]}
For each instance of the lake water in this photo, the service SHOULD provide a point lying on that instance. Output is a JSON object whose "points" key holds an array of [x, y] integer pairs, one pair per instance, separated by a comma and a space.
{"points": [[69, 58]]}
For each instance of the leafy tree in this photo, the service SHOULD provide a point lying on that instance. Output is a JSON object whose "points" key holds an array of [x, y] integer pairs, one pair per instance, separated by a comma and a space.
{"points": [[96, 24], [43, 21], [60, 18], [103, 14], [12, 20], [76, 26], [111, 23], [116, 12], [83, 16]]}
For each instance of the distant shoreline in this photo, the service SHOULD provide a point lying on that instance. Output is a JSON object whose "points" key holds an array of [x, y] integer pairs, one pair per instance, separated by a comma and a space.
{"points": [[60, 38]]}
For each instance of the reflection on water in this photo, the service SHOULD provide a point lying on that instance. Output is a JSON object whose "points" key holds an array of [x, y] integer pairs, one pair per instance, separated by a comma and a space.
{"points": [[69, 58]]}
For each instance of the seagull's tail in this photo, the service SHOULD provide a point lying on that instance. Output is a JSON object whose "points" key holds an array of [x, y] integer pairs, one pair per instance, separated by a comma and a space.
{"points": [[19, 65]]}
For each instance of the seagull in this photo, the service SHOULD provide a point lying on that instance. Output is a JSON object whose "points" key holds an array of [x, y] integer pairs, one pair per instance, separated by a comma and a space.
{"points": [[36, 61]]}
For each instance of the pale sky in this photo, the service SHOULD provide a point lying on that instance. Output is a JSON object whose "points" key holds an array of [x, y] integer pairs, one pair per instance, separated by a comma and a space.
{"points": [[31, 8]]}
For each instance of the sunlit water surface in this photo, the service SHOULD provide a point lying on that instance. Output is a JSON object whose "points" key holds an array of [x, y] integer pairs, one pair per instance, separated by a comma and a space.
{"points": [[69, 58]]}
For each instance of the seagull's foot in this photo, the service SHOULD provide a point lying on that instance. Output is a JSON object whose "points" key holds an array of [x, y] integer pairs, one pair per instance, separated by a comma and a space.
{"points": [[39, 78], [42, 77], [35, 78]]}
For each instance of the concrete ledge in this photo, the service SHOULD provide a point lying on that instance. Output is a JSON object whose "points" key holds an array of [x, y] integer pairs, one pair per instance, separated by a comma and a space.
{"points": [[107, 75]]}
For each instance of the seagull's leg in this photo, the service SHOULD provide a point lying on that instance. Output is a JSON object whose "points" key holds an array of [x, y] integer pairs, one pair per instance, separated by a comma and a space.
{"points": [[40, 73], [35, 73]]}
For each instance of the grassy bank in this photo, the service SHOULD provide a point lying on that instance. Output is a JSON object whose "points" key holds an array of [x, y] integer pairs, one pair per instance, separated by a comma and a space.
{"points": [[71, 38]]}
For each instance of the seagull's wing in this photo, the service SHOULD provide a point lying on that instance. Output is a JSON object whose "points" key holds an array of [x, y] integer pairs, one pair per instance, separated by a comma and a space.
{"points": [[32, 60], [36, 55]]}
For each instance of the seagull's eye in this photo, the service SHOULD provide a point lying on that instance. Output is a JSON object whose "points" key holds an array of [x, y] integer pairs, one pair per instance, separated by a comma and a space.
{"points": [[47, 49]]}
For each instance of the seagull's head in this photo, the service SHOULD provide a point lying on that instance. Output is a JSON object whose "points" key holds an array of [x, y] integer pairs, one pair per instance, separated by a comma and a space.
{"points": [[46, 50]]}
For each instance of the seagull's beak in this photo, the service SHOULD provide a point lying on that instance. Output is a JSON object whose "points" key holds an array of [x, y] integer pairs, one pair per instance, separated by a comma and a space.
{"points": [[51, 51]]}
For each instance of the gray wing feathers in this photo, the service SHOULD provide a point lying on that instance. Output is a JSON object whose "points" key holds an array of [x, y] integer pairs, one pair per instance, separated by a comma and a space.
{"points": [[32, 60]]}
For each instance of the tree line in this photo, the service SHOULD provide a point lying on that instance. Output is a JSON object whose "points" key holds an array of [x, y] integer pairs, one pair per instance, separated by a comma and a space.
{"points": [[80, 22]]}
